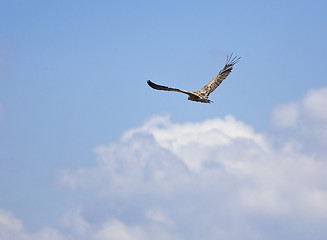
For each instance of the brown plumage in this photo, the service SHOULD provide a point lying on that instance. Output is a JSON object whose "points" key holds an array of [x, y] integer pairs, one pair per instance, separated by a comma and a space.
{"points": [[203, 94]]}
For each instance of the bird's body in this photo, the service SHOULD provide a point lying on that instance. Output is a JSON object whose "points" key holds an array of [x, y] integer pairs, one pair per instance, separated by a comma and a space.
{"points": [[203, 94]]}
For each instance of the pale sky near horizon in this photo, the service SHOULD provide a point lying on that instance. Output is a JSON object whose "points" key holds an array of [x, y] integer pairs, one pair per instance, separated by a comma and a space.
{"points": [[89, 151]]}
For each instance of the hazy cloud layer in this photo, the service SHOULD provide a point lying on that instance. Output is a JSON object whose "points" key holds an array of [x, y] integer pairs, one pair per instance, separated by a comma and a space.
{"points": [[216, 179]]}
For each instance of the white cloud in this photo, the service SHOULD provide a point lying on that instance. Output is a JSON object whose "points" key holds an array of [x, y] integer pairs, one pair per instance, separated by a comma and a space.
{"points": [[9, 222], [185, 140], [286, 115], [76, 228], [12, 228], [73, 222], [305, 121], [310, 109], [216, 179], [315, 104], [115, 230], [158, 216]]}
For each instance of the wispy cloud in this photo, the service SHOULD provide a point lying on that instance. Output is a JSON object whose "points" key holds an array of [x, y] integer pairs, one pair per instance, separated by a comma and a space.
{"points": [[305, 121], [13, 228], [216, 179]]}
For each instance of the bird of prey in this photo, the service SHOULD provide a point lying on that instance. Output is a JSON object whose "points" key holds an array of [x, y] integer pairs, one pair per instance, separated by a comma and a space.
{"points": [[203, 94]]}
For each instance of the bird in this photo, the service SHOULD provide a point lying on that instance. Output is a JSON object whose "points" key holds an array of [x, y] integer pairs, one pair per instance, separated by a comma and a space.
{"points": [[203, 94]]}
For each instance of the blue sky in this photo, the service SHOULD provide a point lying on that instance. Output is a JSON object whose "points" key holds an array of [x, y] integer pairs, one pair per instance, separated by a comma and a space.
{"points": [[76, 113]]}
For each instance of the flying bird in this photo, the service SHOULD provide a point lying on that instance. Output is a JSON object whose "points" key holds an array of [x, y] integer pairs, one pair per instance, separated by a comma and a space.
{"points": [[203, 94]]}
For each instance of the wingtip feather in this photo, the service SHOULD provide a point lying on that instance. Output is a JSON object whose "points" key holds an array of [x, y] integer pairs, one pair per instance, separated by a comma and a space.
{"points": [[232, 60]]}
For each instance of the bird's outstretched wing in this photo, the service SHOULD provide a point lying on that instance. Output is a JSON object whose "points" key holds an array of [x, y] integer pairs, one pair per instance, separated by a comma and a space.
{"points": [[216, 81], [159, 87]]}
